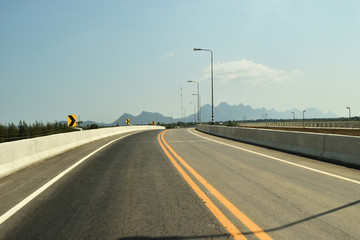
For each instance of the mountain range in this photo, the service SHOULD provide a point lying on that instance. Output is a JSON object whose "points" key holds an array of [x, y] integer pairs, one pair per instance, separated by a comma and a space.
{"points": [[222, 112]]}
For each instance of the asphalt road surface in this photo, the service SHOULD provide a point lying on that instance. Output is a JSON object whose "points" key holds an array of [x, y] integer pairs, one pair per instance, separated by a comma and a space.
{"points": [[180, 184]]}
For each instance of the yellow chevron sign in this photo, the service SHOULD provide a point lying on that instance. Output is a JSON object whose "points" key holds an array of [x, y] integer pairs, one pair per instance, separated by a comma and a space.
{"points": [[71, 120], [127, 121]]}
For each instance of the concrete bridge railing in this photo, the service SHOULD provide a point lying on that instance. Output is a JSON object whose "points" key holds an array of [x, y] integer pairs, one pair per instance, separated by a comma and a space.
{"points": [[333, 148], [301, 124], [20, 154]]}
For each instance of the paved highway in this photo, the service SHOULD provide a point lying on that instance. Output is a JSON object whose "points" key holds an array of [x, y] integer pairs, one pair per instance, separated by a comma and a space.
{"points": [[179, 184]]}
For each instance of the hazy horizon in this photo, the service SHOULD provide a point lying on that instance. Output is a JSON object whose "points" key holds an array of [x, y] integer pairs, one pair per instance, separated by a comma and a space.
{"points": [[206, 116]]}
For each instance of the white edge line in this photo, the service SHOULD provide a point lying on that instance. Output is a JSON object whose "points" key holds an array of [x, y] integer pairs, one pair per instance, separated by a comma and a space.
{"points": [[21, 204], [280, 160]]}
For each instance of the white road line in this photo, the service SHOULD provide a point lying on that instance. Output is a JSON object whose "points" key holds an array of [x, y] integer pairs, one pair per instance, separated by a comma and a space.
{"points": [[280, 160], [28, 199]]}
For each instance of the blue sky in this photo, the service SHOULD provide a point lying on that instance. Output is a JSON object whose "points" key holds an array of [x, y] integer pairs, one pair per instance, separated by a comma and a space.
{"points": [[100, 59]]}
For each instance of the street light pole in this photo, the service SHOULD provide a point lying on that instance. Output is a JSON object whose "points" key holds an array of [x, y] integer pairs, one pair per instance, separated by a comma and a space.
{"points": [[182, 106], [212, 82], [304, 118], [349, 112], [198, 112], [266, 119], [194, 111], [198, 98]]}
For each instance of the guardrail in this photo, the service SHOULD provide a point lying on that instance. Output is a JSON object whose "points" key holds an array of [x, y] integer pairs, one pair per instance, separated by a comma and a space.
{"points": [[332, 148], [20, 154], [302, 124]]}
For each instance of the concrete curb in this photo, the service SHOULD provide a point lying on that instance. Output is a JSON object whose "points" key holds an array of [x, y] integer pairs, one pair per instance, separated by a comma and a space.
{"points": [[333, 148], [20, 154]]}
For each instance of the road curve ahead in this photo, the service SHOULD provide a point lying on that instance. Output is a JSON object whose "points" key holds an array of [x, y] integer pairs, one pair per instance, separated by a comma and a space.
{"points": [[127, 190], [179, 184]]}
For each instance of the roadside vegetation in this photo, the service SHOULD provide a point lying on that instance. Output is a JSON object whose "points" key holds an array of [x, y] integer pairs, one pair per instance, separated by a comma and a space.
{"points": [[11, 132], [177, 125]]}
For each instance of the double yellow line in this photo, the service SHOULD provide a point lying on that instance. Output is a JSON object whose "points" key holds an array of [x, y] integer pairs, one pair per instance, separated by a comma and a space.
{"points": [[209, 204]]}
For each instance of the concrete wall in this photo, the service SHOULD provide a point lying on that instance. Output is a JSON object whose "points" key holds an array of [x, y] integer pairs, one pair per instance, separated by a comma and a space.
{"points": [[20, 154], [301, 124], [334, 148]]}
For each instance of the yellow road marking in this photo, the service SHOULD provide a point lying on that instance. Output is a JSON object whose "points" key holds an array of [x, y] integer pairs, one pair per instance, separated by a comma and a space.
{"points": [[209, 204], [235, 211]]}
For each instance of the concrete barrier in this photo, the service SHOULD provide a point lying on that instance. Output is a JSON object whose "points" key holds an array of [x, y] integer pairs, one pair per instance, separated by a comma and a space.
{"points": [[328, 147], [20, 154], [300, 124]]}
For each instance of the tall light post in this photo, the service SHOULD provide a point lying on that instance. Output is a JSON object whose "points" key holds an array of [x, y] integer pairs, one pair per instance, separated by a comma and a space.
{"points": [[182, 106], [198, 98], [304, 118], [194, 111], [198, 112], [200, 109], [349, 112], [212, 83], [266, 119]]}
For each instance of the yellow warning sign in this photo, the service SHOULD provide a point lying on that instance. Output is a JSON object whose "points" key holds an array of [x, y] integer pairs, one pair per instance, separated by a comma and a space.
{"points": [[127, 121], [71, 120]]}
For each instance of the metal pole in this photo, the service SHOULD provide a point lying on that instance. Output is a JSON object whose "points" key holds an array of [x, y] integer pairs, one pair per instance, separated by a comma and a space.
{"points": [[349, 112], [200, 108], [212, 89], [198, 98], [197, 105], [194, 111], [182, 105], [212, 82], [304, 118]]}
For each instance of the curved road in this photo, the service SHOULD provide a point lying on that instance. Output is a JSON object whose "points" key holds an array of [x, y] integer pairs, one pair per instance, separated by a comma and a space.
{"points": [[180, 184]]}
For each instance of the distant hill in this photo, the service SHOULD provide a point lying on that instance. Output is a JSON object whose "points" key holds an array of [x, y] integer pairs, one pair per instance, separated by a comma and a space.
{"points": [[225, 112], [222, 112], [143, 118]]}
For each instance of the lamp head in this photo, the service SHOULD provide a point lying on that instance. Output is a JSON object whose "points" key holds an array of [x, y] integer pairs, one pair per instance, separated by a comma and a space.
{"points": [[197, 49]]}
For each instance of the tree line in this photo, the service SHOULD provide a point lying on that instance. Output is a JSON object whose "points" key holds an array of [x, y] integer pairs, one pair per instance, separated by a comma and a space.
{"points": [[11, 132]]}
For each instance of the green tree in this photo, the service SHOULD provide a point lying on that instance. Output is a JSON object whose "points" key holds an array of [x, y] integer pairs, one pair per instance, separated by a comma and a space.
{"points": [[3, 133], [12, 131], [23, 129]]}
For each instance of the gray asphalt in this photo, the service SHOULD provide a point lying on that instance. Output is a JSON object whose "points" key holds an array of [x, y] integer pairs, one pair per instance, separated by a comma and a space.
{"points": [[130, 190], [285, 201]]}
